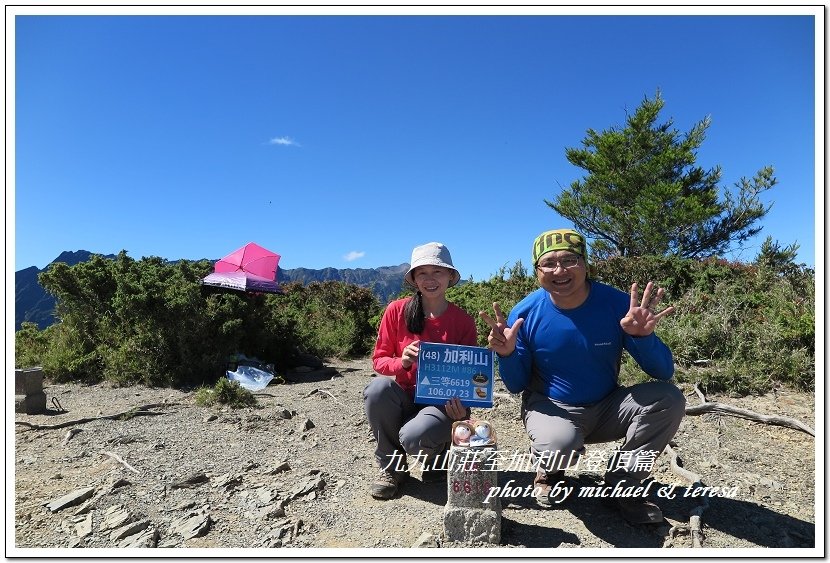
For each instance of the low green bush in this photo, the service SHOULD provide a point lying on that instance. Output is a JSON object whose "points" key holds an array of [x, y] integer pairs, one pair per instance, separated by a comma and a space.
{"points": [[151, 322], [739, 328], [225, 392]]}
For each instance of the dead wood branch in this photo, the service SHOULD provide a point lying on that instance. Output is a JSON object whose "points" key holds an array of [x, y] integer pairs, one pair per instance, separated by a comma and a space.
{"points": [[722, 408], [69, 433], [330, 395], [689, 476], [700, 394], [120, 460], [695, 521], [142, 410]]}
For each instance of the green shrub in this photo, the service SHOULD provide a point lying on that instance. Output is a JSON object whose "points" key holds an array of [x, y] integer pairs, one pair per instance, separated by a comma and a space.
{"points": [[738, 328], [151, 322], [30, 345], [748, 331], [741, 328], [328, 319], [225, 392]]}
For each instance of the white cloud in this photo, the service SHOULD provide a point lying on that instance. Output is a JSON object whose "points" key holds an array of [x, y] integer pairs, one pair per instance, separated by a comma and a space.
{"points": [[284, 141], [353, 255]]}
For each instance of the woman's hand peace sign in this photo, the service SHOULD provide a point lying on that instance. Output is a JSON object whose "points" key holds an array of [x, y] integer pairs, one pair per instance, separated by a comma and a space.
{"points": [[641, 319], [502, 338]]}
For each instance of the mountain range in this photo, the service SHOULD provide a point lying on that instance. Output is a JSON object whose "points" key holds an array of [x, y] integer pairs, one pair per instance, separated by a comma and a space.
{"points": [[33, 304]]}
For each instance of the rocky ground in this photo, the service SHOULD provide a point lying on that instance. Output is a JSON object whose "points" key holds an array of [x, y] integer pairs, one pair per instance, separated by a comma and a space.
{"points": [[294, 473]]}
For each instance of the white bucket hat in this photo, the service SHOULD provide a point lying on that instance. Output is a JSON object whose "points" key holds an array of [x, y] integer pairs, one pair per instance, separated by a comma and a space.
{"points": [[431, 254]]}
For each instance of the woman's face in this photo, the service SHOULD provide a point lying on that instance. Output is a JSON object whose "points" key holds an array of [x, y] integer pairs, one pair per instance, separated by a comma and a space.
{"points": [[432, 280]]}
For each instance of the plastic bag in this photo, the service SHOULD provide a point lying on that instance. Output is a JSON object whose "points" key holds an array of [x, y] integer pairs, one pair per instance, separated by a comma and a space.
{"points": [[250, 378]]}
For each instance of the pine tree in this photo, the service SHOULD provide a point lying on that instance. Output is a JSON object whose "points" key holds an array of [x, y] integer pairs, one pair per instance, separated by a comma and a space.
{"points": [[644, 195]]}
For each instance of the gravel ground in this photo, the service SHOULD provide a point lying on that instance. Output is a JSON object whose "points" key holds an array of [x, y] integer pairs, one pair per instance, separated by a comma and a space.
{"points": [[294, 472]]}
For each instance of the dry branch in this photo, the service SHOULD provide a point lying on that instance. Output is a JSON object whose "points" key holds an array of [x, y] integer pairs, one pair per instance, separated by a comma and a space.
{"points": [[69, 433], [142, 410], [120, 460], [695, 514], [722, 408]]}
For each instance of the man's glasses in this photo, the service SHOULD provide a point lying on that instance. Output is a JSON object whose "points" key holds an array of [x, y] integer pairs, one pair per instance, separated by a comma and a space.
{"points": [[566, 262]]}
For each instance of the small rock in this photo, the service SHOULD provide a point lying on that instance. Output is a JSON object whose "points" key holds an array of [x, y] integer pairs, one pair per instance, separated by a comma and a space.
{"points": [[129, 530], [426, 540], [118, 483], [191, 482], [170, 541], [306, 425], [114, 517], [84, 508], [193, 525], [279, 468], [210, 418], [71, 499], [186, 505], [228, 481], [84, 527]]}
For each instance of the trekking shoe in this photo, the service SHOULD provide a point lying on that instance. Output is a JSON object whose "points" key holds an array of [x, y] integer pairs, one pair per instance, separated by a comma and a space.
{"points": [[543, 482], [636, 510], [387, 484]]}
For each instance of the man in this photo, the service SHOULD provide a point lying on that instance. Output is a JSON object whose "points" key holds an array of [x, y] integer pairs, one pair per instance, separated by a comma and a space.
{"points": [[561, 347]]}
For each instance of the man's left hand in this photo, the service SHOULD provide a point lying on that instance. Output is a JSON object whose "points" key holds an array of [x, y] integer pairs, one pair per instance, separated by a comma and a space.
{"points": [[641, 319]]}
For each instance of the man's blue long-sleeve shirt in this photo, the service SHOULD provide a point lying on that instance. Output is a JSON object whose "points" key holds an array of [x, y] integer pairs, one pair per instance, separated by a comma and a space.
{"points": [[573, 355]]}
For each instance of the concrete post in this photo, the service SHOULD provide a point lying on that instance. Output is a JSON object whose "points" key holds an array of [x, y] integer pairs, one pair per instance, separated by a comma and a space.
{"points": [[471, 472], [28, 391]]}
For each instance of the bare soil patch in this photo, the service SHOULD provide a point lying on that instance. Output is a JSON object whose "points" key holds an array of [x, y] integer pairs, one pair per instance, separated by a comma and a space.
{"points": [[295, 472]]}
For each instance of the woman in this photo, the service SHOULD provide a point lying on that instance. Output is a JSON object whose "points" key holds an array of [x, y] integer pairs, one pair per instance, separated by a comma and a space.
{"points": [[400, 426]]}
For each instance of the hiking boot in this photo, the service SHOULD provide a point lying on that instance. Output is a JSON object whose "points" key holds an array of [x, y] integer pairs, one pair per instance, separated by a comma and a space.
{"points": [[387, 484], [636, 510], [542, 484]]}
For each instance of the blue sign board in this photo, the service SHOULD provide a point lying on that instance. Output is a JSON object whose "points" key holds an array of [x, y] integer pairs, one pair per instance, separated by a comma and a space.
{"points": [[451, 370]]}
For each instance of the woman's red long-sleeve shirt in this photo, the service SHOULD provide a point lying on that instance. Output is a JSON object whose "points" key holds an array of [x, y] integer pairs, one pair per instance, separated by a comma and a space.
{"points": [[454, 326]]}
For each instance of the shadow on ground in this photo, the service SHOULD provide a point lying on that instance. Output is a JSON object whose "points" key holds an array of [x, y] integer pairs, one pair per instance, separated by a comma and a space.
{"points": [[741, 519]]}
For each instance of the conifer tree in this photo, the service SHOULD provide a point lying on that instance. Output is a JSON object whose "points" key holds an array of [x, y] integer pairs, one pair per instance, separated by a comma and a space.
{"points": [[643, 194]]}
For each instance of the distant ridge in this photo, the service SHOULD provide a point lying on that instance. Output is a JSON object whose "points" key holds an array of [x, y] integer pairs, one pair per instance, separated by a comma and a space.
{"points": [[33, 304]]}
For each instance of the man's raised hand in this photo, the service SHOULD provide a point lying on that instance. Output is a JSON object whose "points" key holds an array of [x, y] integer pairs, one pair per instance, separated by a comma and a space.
{"points": [[641, 318], [502, 338]]}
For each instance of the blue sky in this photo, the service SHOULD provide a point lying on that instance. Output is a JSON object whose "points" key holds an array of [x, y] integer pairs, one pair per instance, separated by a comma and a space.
{"points": [[344, 141]]}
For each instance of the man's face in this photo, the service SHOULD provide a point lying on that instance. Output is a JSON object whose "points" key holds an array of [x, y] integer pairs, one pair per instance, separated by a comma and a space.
{"points": [[563, 274]]}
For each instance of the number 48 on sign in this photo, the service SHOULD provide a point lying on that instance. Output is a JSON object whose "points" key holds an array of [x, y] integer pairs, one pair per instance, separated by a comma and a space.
{"points": [[451, 370]]}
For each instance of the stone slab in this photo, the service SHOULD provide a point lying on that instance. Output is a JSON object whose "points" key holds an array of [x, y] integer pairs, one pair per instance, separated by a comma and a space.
{"points": [[28, 381], [471, 473], [34, 403]]}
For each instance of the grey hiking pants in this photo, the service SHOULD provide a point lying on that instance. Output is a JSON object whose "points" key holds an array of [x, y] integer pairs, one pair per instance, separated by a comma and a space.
{"points": [[401, 427], [646, 415]]}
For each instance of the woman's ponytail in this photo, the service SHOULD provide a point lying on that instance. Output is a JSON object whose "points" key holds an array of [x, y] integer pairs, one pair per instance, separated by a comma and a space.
{"points": [[414, 314]]}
